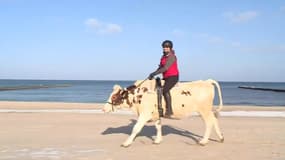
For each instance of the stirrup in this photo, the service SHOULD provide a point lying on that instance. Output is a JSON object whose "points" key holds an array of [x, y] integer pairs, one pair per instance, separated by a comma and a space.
{"points": [[160, 112], [170, 116]]}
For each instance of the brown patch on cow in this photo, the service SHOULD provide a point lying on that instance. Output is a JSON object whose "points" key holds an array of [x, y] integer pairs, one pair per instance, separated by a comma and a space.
{"points": [[187, 93], [117, 98], [139, 96], [129, 103], [137, 99], [144, 89], [131, 87]]}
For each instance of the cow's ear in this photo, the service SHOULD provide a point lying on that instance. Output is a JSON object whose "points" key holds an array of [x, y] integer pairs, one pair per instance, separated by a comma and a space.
{"points": [[117, 87]]}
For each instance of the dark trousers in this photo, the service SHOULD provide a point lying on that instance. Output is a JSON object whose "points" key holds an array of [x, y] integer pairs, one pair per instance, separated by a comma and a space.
{"points": [[169, 83]]}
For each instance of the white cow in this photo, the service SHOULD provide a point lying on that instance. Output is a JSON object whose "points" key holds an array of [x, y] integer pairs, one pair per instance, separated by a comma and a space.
{"points": [[187, 97]]}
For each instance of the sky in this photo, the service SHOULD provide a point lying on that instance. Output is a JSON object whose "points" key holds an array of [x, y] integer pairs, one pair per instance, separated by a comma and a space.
{"points": [[225, 40]]}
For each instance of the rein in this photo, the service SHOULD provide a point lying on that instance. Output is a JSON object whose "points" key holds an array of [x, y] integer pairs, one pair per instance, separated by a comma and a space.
{"points": [[141, 83]]}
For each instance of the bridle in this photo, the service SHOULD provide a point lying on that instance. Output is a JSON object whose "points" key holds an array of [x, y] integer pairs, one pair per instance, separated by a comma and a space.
{"points": [[123, 94], [118, 98]]}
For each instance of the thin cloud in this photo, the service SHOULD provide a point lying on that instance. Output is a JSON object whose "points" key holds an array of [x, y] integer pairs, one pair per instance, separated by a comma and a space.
{"points": [[216, 40], [282, 8], [241, 17], [178, 33], [235, 44], [211, 38], [273, 49], [100, 27], [225, 43], [113, 28]]}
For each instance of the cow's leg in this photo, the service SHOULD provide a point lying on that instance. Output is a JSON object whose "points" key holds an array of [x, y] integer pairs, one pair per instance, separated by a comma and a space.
{"points": [[137, 128], [208, 118], [217, 129], [158, 137]]}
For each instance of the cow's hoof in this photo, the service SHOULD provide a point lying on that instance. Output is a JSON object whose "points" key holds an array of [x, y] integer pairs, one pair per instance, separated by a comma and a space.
{"points": [[222, 140], [201, 144], [125, 146], [156, 142]]}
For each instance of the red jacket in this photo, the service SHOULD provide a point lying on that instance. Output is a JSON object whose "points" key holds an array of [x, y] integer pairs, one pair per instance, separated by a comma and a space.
{"points": [[173, 68]]}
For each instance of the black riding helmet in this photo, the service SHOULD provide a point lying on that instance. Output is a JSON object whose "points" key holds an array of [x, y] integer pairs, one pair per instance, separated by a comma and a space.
{"points": [[167, 43]]}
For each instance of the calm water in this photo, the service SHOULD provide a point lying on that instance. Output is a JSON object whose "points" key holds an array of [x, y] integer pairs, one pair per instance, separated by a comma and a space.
{"points": [[98, 91]]}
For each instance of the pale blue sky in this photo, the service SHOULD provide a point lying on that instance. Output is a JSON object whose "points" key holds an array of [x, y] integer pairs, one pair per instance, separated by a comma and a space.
{"points": [[242, 40]]}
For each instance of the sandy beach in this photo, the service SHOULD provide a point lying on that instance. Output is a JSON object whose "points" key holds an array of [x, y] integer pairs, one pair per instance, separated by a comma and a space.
{"points": [[94, 135]]}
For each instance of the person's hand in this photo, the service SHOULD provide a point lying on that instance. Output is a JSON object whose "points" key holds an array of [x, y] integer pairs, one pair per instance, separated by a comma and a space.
{"points": [[150, 77]]}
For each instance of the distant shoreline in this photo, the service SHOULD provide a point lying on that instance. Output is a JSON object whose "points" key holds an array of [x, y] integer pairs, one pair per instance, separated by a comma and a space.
{"points": [[223, 81], [98, 91], [87, 102], [13, 88]]}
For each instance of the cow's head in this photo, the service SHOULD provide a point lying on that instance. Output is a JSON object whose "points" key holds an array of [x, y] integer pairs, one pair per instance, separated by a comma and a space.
{"points": [[119, 98]]}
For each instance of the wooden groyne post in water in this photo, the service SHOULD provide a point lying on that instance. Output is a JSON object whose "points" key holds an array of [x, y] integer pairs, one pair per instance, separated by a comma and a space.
{"points": [[262, 89], [32, 87]]}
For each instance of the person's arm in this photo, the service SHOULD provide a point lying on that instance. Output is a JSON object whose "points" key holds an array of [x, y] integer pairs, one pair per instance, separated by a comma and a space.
{"points": [[169, 62]]}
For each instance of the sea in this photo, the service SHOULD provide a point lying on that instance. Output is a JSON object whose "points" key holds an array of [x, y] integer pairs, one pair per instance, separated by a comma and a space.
{"points": [[98, 91]]}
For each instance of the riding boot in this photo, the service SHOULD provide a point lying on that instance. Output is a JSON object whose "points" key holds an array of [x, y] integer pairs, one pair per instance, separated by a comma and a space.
{"points": [[159, 96], [167, 98], [159, 102]]}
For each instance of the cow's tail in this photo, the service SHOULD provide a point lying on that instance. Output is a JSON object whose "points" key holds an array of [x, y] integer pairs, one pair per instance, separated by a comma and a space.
{"points": [[217, 110]]}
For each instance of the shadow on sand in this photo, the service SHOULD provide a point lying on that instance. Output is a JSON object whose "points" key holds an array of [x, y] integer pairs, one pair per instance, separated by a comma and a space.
{"points": [[150, 131]]}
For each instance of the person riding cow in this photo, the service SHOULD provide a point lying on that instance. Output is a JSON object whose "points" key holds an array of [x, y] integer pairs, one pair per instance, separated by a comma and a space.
{"points": [[169, 68]]}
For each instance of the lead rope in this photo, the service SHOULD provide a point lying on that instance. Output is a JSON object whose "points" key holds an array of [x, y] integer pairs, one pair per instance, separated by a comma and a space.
{"points": [[132, 87], [141, 83]]}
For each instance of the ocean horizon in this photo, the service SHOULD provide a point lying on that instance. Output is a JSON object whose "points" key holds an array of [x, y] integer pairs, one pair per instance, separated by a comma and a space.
{"points": [[98, 91]]}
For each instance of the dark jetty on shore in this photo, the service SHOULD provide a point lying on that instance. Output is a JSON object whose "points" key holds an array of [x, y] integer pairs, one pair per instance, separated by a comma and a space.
{"points": [[32, 87], [262, 89]]}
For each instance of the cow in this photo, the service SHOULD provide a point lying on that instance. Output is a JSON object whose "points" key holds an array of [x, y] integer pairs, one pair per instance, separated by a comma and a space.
{"points": [[187, 97]]}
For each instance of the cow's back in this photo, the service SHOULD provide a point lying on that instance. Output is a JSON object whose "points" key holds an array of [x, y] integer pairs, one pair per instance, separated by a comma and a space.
{"points": [[199, 90], [188, 97]]}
